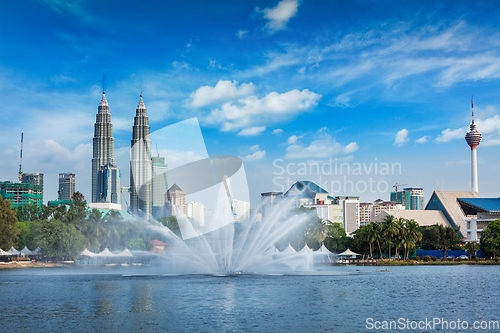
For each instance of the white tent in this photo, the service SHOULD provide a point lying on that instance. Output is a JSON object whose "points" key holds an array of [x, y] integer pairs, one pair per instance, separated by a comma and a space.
{"points": [[26, 251], [106, 253], [88, 253], [306, 249], [13, 251], [272, 250], [289, 250], [324, 250], [124, 253], [349, 253], [37, 251], [4, 253]]}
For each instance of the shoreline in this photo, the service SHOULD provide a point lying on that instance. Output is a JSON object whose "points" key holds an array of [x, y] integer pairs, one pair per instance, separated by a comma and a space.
{"points": [[9, 265]]}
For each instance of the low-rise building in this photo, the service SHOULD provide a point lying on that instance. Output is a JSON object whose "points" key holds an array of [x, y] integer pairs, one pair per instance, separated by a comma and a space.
{"points": [[480, 212]]}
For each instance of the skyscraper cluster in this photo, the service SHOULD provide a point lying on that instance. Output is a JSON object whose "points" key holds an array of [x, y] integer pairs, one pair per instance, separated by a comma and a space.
{"points": [[145, 171]]}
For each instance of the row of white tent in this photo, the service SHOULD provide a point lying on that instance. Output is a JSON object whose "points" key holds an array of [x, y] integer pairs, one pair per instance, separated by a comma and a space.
{"points": [[289, 250], [106, 253], [25, 251]]}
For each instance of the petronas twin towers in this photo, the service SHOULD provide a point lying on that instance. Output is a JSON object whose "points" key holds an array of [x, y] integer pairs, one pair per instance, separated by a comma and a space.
{"points": [[106, 176]]}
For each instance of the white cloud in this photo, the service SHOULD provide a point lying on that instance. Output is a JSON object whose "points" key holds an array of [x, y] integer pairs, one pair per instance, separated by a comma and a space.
{"points": [[241, 33], [256, 130], [223, 91], [181, 64], [401, 137], [257, 156], [325, 146], [351, 148], [277, 131], [423, 139], [279, 16], [293, 139], [448, 134], [254, 148], [272, 108]]}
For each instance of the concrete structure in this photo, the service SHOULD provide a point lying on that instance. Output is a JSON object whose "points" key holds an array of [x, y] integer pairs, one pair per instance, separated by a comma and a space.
{"points": [[485, 210], [412, 198], [422, 217], [240, 209], [447, 202], [341, 209], [66, 186], [20, 194], [103, 147], [109, 184], [365, 212], [34, 178], [196, 210], [380, 205], [141, 168], [268, 201], [159, 185], [175, 198], [105, 205], [473, 138]]}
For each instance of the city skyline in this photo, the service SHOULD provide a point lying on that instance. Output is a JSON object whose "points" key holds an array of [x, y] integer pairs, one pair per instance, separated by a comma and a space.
{"points": [[300, 82]]}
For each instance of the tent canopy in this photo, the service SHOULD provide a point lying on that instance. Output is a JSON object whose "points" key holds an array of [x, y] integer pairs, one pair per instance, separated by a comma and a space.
{"points": [[13, 251], [306, 249], [4, 253], [349, 253], [272, 250], [25, 250], [324, 250], [289, 250], [88, 253], [124, 253], [105, 253]]}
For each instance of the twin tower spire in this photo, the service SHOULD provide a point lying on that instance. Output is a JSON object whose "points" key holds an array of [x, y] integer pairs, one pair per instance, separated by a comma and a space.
{"points": [[105, 174]]}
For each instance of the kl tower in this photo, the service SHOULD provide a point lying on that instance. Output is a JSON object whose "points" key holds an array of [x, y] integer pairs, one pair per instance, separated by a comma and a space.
{"points": [[473, 139]]}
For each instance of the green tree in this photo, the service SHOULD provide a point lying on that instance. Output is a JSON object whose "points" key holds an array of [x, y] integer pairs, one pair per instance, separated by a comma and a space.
{"points": [[7, 221], [412, 236], [25, 235], [390, 229], [445, 237], [472, 247], [171, 223], [336, 238], [58, 239], [490, 239]]}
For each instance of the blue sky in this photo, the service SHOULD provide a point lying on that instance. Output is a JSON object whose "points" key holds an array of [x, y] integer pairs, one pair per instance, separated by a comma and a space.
{"points": [[273, 82]]}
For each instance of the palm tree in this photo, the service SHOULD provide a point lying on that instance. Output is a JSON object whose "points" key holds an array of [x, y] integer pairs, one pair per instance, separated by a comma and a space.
{"points": [[378, 236], [413, 233], [390, 229], [400, 235]]}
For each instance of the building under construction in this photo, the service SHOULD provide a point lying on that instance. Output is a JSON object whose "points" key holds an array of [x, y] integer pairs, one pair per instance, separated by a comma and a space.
{"points": [[20, 194]]}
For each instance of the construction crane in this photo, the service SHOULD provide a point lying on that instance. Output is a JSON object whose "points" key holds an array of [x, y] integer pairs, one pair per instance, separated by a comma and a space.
{"points": [[396, 186], [21, 160]]}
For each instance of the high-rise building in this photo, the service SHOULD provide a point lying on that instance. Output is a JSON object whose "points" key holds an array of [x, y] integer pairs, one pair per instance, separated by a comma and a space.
{"points": [[412, 198], [103, 146], [20, 194], [175, 199], [66, 186], [34, 178], [141, 168], [240, 209], [160, 185], [196, 210], [109, 184], [473, 138]]}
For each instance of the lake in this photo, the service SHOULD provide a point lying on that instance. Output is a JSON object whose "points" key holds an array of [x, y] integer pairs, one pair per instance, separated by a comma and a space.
{"points": [[339, 299]]}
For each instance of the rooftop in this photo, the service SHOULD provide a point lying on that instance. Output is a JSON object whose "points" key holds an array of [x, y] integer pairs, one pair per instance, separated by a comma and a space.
{"points": [[471, 206]]}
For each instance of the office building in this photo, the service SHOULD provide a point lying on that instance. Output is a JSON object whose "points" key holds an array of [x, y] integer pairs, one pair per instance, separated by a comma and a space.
{"points": [[34, 178], [159, 185], [412, 198], [109, 184], [196, 211], [66, 186], [20, 194], [103, 147], [175, 199], [141, 168], [240, 210]]}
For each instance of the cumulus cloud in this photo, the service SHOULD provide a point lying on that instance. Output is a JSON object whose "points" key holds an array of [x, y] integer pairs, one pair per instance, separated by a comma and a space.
{"points": [[293, 139], [241, 33], [448, 134], [351, 148], [423, 139], [223, 91], [325, 146], [277, 131], [257, 156], [279, 16], [256, 130], [401, 137], [254, 148], [272, 108]]}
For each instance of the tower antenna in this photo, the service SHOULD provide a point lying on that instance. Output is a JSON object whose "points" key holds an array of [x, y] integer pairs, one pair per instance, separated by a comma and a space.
{"points": [[472, 105], [21, 159], [103, 84], [141, 88]]}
